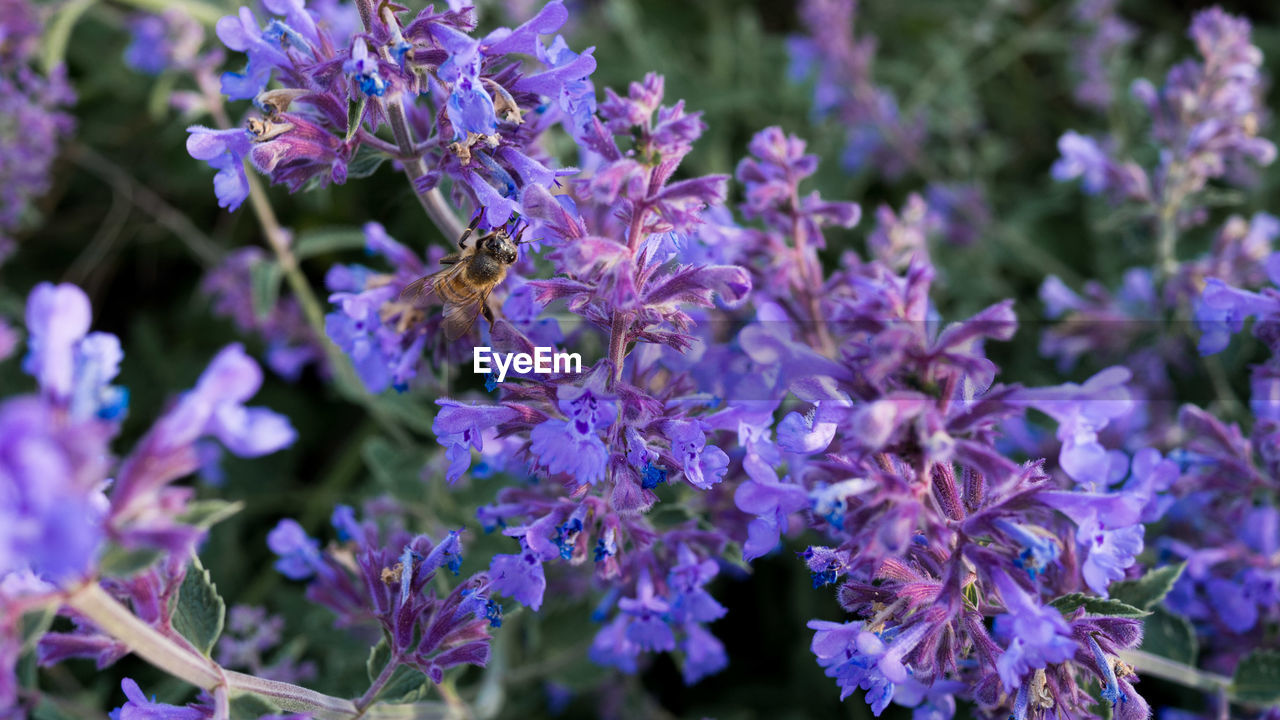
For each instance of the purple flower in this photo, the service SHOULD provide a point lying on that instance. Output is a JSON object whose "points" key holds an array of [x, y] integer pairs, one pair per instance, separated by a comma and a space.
{"points": [[57, 319], [612, 648], [139, 707], [704, 654], [1081, 158], [225, 151], [691, 603], [520, 577], [51, 505], [74, 367], [35, 125], [299, 553], [648, 627], [703, 466], [460, 428], [572, 445], [1037, 634], [215, 406], [858, 658]]}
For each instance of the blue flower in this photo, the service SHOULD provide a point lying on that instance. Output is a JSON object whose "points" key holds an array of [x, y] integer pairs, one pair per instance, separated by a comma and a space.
{"points": [[459, 428], [365, 70], [520, 577], [1038, 551], [225, 151], [299, 553], [572, 445], [1037, 634], [139, 707]]}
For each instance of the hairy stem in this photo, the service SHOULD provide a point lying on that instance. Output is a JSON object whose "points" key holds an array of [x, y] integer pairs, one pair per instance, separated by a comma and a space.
{"points": [[621, 325], [143, 640], [1165, 669], [379, 683], [206, 13], [292, 698], [114, 619]]}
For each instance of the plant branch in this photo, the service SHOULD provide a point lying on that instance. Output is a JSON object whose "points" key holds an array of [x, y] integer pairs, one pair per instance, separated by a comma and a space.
{"points": [[1146, 663], [410, 157]]}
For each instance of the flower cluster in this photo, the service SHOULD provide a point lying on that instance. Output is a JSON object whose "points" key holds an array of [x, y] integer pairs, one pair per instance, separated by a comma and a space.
{"points": [[381, 577], [1105, 36], [485, 105], [69, 503], [1205, 119], [33, 123]]}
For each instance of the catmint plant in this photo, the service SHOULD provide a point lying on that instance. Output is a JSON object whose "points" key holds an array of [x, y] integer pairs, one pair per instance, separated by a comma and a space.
{"points": [[968, 515]]}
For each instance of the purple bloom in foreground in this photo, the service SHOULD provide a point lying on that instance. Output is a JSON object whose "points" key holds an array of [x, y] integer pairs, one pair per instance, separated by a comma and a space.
{"points": [[215, 406], [225, 151]]}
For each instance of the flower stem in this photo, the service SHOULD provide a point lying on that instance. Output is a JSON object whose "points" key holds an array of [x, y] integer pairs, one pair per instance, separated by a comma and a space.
{"points": [[410, 157], [292, 698], [203, 12], [379, 683], [1165, 669], [143, 640], [151, 645]]}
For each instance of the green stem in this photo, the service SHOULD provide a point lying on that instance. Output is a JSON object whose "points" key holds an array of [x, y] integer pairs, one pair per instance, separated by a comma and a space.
{"points": [[379, 683], [1175, 672], [203, 12], [143, 640], [114, 619], [292, 698]]}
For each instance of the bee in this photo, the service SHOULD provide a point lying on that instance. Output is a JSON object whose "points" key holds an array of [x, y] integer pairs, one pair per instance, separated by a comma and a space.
{"points": [[468, 278]]}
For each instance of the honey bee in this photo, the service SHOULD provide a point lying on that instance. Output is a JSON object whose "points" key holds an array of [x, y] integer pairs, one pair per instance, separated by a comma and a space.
{"points": [[468, 278]]}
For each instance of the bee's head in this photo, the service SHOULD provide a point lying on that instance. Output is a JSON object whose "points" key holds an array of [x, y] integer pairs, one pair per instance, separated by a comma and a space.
{"points": [[500, 247]]}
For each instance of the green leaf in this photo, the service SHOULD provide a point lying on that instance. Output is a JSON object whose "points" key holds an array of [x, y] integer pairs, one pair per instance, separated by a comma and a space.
{"points": [[320, 242], [59, 33], [355, 113], [199, 612], [1097, 606], [378, 656], [124, 562], [207, 513], [251, 707], [365, 163], [1147, 591], [264, 284], [1257, 678], [1170, 635]]}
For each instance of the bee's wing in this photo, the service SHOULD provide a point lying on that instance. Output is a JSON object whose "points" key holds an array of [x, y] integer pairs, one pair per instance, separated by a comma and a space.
{"points": [[462, 301], [418, 290]]}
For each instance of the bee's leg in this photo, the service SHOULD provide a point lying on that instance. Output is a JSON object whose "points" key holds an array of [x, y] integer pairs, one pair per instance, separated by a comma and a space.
{"points": [[451, 259], [475, 221], [488, 314]]}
